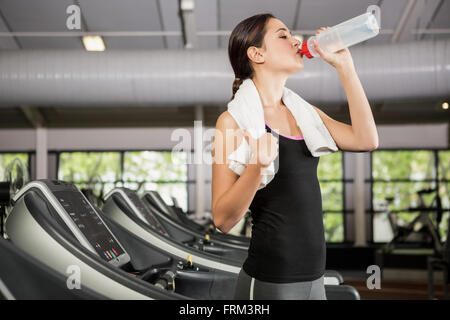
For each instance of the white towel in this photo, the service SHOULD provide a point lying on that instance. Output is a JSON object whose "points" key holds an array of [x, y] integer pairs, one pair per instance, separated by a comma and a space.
{"points": [[247, 110]]}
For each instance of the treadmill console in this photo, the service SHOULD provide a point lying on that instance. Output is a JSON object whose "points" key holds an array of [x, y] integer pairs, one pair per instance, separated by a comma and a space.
{"points": [[87, 221], [146, 214]]}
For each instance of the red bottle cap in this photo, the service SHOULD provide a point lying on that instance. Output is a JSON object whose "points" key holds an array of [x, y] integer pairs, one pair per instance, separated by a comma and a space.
{"points": [[305, 51]]}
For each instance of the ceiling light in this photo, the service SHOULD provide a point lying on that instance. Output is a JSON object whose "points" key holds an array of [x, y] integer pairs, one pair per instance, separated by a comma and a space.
{"points": [[93, 43], [445, 105]]}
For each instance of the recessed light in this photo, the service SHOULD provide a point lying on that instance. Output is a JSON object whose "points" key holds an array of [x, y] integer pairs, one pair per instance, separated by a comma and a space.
{"points": [[93, 43]]}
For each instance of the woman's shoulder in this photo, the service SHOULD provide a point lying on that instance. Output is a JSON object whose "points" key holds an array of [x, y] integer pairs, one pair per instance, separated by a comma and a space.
{"points": [[226, 121]]}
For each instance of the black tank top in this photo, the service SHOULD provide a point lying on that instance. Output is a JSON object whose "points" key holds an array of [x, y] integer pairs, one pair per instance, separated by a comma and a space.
{"points": [[288, 241]]}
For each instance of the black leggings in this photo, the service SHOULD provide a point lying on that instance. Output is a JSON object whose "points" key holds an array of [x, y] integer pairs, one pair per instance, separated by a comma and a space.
{"points": [[248, 288]]}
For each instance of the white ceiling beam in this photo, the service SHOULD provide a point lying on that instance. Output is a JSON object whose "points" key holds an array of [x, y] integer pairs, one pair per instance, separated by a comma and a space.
{"points": [[427, 18], [189, 28], [14, 44], [170, 21], [408, 21]]}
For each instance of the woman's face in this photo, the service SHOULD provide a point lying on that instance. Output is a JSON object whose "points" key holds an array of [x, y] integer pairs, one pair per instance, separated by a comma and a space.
{"points": [[280, 51]]}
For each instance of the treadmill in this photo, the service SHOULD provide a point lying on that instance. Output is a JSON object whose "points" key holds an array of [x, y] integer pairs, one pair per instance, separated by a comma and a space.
{"points": [[171, 220], [179, 214], [124, 207], [123, 201], [53, 222]]}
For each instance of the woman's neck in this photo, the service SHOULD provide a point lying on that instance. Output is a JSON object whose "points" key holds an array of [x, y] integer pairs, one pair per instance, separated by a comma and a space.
{"points": [[270, 90]]}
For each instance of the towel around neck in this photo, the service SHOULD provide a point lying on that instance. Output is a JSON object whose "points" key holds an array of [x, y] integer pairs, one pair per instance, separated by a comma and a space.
{"points": [[247, 110]]}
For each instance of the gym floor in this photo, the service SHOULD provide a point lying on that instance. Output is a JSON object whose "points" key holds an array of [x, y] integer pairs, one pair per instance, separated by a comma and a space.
{"points": [[393, 289]]}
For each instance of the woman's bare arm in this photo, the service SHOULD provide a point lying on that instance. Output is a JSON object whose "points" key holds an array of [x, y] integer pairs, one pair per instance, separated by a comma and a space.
{"points": [[362, 134], [231, 194]]}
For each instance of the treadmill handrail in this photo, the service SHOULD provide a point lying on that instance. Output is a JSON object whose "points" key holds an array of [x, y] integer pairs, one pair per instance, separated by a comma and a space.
{"points": [[58, 207], [27, 261], [5, 292]]}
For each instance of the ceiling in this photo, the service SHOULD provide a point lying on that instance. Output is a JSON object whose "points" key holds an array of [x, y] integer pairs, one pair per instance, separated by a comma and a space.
{"points": [[41, 17], [41, 24]]}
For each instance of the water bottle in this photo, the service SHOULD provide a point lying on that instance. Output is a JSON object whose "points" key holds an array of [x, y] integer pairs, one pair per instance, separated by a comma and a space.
{"points": [[345, 34]]}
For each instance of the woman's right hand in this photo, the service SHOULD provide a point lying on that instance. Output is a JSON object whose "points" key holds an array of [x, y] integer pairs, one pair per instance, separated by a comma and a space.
{"points": [[264, 149]]}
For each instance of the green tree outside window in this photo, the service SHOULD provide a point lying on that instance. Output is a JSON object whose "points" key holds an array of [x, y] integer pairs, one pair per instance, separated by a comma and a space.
{"points": [[330, 168]]}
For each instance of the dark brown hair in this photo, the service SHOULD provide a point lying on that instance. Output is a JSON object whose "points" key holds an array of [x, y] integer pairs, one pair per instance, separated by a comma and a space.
{"points": [[249, 32]]}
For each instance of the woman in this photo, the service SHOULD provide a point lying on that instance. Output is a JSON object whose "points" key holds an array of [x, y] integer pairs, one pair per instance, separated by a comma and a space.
{"points": [[286, 257]]}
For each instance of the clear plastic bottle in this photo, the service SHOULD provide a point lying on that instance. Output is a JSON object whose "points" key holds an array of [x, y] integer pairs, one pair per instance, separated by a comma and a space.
{"points": [[345, 34]]}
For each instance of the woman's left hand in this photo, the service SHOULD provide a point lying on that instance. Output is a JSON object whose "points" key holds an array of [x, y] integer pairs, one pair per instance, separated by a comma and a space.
{"points": [[339, 59]]}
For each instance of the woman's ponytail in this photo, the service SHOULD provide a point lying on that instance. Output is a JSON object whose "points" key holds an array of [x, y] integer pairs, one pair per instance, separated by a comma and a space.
{"points": [[236, 84]]}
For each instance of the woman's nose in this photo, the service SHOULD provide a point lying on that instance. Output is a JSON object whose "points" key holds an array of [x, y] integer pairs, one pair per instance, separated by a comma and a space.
{"points": [[296, 42]]}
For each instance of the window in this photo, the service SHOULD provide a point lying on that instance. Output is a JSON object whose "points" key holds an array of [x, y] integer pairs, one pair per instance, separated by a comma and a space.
{"points": [[444, 189], [330, 176], [163, 171], [99, 171], [401, 174], [138, 170], [6, 158]]}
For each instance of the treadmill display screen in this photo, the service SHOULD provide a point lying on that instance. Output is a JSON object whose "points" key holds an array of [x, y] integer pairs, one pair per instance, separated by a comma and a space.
{"points": [[88, 222], [151, 220]]}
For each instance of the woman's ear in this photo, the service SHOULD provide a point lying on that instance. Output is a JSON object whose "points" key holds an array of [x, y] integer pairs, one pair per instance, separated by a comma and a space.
{"points": [[255, 54]]}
